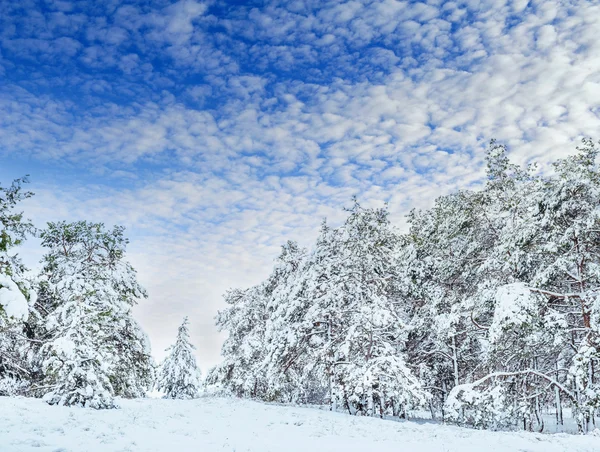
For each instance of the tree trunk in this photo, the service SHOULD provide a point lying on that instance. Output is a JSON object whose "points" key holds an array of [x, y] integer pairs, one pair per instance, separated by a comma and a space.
{"points": [[332, 406], [455, 361], [370, 408]]}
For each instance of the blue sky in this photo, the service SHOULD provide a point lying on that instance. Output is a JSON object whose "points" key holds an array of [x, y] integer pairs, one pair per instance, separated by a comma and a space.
{"points": [[216, 130]]}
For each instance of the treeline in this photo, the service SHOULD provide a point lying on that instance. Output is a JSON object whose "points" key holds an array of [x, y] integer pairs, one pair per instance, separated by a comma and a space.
{"points": [[67, 334], [487, 311]]}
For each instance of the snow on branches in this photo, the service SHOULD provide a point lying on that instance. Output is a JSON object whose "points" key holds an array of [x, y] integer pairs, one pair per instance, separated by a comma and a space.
{"points": [[13, 230], [91, 348], [487, 311], [179, 376]]}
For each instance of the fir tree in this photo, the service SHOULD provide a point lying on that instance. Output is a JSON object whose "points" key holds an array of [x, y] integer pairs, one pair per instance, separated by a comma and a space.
{"points": [[179, 376]]}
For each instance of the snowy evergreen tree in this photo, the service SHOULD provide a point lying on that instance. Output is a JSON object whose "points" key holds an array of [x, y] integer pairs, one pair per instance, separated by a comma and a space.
{"points": [[179, 375], [240, 371], [252, 320], [13, 230], [374, 334], [556, 236], [93, 349], [487, 309], [326, 326], [133, 373], [436, 276], [456, 260], [16, 292], [534, 306]]}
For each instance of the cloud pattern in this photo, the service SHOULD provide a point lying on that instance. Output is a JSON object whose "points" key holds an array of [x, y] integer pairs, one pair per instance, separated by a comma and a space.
{"points": [[216, 130]]}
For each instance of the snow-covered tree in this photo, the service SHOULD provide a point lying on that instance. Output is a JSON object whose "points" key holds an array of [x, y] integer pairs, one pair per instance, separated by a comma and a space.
{"points": [[133, 373], [534, 300], [325, 326], [13, 230], [490, 303], [374, 330], [256, 335], [75, 361], [179, 375], [244, 319], [556, 236], [93, 349], [454, 260], [15, 291]]}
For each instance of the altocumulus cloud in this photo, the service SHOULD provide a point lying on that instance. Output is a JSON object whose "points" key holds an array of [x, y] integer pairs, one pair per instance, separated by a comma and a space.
{"points": [[215, 131]]}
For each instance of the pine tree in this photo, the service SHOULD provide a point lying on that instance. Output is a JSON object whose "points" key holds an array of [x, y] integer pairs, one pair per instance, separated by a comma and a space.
{"points": [[298, 382], [16, 293], [370, 371], [92, 348], [535, 298], [179, 376], [491, 302], [240, 372], [13, 230], [75, 362], [133, 373], [331, 326], [557, 236], [256, 336]]}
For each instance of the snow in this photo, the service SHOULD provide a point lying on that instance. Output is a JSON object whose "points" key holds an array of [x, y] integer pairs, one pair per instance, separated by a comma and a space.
{"points": [[11, 299], [211, 423], [514, 306]]}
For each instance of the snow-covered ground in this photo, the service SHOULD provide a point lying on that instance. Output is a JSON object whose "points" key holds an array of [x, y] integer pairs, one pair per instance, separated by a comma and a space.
{"points": [[221, 424]]}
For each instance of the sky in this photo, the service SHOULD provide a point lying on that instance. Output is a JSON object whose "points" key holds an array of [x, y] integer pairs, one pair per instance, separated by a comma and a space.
{"points": [[215, 131]]}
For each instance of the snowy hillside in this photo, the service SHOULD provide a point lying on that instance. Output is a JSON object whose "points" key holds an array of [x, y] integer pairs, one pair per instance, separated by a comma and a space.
{"points": [[219, 424]]}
